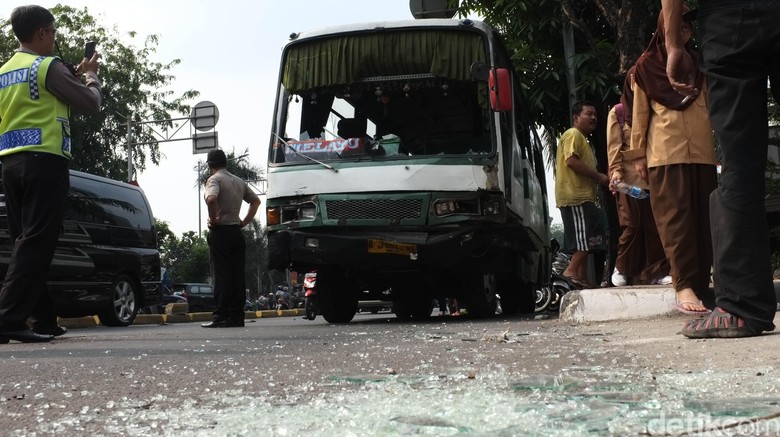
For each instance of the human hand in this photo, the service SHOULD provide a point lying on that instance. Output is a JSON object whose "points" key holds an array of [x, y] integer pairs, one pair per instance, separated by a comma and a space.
{"points": [[616, 179], [680, 70], [213, 222], [641, 167], [89, 64], [603, 180]]}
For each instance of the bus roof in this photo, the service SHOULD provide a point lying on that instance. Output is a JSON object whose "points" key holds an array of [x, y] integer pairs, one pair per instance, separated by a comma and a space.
{"points": [[426, 23]]}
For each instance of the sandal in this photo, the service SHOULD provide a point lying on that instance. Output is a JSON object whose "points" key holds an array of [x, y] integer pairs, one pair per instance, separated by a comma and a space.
{"points": [[580, 283], [719, 324], [680, 306]]}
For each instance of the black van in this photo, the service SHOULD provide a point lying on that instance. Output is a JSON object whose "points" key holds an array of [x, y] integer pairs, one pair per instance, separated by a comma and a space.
{"points": [[106, 262]]}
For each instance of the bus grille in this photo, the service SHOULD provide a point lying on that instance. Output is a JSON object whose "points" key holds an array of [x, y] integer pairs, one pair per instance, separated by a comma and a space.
{"points": [[381, 209]]}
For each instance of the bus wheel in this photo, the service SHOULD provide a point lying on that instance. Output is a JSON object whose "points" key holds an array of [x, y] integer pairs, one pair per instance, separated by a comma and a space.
{"points": [[338, 296], [418, 309], [479, 294]]}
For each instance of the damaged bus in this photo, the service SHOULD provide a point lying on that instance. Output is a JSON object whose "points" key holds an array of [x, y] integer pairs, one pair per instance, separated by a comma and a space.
{"points": [[403, 163]]}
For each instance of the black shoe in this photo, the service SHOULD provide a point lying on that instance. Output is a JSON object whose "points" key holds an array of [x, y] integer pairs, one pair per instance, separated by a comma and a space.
{"points": [[236, 324], [55, 330], [24, 336], [216, 324]]}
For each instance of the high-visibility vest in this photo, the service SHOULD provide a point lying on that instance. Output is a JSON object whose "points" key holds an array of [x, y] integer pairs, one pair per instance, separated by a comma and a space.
{"points": [[32, 119]]}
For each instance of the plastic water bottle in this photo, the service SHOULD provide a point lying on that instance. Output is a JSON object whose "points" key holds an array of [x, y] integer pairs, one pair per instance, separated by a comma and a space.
{"points": [[632, 190]]}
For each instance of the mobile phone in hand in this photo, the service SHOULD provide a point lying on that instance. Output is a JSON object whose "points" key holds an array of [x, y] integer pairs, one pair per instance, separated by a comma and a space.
{"points": [[89, 49]]}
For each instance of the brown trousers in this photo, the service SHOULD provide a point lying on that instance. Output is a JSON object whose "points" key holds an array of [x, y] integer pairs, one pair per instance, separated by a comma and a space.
{"points": [[640, 253], [679, 195]]}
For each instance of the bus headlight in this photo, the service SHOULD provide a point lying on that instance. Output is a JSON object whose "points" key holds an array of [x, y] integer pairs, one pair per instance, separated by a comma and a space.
{"points": [[445, 207], [307, 212]]}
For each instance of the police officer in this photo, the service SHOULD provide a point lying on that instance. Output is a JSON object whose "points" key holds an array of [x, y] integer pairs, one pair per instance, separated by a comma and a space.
{"points": [[227, 248], [37, 92]]}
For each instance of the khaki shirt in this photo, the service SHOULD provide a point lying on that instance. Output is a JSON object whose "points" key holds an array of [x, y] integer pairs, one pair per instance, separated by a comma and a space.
{"points": [[666, 136], [229, 190], [618, 140], [570, 188]]}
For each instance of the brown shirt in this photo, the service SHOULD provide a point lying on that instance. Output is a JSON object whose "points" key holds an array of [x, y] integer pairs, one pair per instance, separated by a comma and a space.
{"points": [[618, 140], [666, 136]]}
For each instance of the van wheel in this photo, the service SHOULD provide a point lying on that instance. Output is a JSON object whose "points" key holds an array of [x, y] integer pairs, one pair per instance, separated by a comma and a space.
{"points": [[123, 306]]}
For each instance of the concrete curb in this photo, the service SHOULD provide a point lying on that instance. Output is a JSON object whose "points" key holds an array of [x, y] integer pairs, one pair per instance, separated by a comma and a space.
{"points": [[149, 319], [617, 303], [162, 319], [78, 322]]}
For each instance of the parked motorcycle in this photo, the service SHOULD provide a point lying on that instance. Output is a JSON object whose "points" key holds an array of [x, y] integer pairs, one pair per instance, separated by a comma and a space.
{"points": [[310, 295], [548, 298]]}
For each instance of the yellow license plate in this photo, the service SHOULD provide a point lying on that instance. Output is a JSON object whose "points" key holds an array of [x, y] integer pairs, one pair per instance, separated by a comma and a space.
{"points": [[381, 246]]}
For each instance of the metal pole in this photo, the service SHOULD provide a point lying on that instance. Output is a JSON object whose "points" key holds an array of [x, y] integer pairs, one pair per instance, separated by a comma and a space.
{"points": [[200, 232], [129, 147]]}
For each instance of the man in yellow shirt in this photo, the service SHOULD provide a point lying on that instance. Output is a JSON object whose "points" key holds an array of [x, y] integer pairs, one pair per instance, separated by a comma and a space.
{"points": [[576, 193]]}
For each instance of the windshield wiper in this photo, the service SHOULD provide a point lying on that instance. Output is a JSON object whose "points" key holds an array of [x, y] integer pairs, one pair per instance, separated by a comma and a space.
{"points": [[309, 158]]}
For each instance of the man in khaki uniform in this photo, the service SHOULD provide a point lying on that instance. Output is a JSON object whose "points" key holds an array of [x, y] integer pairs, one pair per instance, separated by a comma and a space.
{"points": [[227, 248]]}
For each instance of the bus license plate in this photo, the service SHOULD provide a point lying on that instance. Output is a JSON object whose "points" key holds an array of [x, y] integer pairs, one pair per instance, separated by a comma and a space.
{"points": [[381, 246]]}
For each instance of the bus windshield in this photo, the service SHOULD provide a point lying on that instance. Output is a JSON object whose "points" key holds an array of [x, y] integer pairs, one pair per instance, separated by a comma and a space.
{"points": [[382, 97]]}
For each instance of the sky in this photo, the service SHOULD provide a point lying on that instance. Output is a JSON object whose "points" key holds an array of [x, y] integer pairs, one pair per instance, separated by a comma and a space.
{"points": [[230, 52]]}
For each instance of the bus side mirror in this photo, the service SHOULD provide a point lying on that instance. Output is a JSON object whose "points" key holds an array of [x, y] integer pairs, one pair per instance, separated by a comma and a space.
{"points": [[500, 90]]}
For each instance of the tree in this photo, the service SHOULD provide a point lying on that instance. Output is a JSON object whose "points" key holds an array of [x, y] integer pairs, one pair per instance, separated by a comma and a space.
{"points": [[133, 85], [187, 259], [533, 33]]}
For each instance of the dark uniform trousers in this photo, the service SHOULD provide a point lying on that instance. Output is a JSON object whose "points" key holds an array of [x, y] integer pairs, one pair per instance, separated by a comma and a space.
{"points": [[227, 250], [740, 43], [36, 188]]}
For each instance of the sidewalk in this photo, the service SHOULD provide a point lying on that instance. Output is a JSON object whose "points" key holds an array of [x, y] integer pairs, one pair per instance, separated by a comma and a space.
{"points": [[620, 303]]}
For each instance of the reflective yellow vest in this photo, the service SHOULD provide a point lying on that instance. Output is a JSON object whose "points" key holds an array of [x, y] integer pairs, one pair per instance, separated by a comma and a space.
{"points": [[31, 118]]}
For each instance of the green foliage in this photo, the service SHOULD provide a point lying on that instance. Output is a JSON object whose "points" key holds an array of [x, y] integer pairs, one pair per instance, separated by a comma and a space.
{"points": [[256, 257], [238, 165], [133, 84], [187, 259], [609, 35]]}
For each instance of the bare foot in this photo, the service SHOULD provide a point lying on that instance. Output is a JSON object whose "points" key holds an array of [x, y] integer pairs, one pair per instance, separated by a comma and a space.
{"points": [[688, 300]]}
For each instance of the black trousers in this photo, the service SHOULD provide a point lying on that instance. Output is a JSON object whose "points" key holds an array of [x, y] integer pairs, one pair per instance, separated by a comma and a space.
{"points": [[36, 188], [740, 43], [227, 252]]}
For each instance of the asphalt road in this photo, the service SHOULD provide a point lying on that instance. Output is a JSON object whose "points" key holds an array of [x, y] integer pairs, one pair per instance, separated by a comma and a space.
{"points": [[379, 376]]}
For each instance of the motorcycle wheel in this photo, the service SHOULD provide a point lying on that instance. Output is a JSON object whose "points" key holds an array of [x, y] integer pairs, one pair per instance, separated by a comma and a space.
{"points": [[309, 310], [544, 298], [558, 291]]}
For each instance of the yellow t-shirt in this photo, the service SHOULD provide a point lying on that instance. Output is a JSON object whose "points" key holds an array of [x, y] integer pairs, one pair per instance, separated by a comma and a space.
{"points": [[570, 188]]}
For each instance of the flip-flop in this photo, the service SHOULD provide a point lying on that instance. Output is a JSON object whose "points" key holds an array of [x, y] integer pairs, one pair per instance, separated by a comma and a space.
{"points": [[580, 283], [679, 307]]}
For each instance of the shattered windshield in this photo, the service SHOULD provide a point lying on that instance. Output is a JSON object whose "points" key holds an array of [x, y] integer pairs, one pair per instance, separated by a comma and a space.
{"points": [[384, 110]]}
